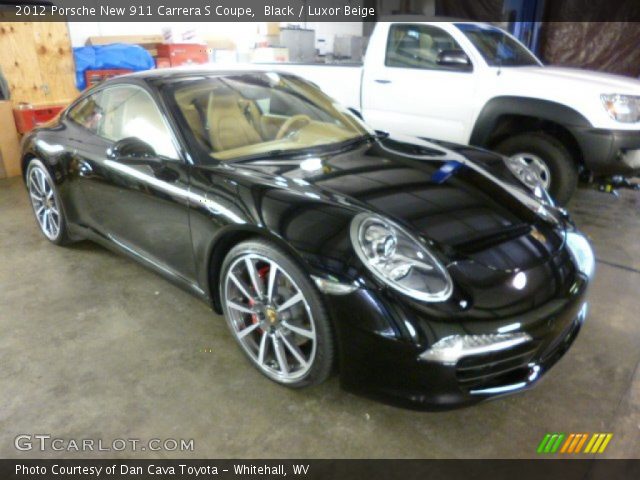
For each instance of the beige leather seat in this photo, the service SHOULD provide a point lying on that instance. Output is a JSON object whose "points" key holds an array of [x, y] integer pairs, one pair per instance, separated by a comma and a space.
{"points": [[229, 128], [141, 118]]}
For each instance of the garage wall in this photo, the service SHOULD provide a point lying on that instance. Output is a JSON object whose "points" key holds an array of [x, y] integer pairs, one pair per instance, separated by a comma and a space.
{"points": [[607, 46], [244, 34], [37, 62]]}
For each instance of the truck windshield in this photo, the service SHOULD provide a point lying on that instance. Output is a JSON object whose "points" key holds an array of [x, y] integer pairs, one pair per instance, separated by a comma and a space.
{"points": [[248, 114], [498, 48]]}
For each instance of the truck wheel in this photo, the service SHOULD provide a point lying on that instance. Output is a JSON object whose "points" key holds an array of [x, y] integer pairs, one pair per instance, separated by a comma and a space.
{"points": [[545, 156]]}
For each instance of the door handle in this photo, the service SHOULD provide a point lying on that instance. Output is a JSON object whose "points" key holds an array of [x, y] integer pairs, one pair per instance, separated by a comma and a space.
{"points": [[383, 81]]}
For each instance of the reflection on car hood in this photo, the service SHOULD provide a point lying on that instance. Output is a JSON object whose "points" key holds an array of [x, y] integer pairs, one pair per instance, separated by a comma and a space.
{"points": [[433, 189]]}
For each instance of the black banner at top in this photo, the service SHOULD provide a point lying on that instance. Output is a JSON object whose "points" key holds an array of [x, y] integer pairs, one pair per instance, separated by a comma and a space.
{"points": [[314, 10]]}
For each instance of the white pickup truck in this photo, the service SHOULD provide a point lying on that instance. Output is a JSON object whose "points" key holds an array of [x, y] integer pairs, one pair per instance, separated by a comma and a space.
{"points": [[474, 83]]}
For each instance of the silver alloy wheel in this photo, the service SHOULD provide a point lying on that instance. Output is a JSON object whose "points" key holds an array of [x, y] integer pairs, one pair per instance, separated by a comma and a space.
{"points": [[270, 317], [523, 165], [43, 200]]}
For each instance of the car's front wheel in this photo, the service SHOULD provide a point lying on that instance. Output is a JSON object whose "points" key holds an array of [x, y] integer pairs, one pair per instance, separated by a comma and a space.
{"points": [[545, 157], [46, 203], [276, 315]]}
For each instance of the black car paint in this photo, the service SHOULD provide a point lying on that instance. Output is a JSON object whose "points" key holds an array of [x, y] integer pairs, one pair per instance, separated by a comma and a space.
{"points": [[181, 219]]}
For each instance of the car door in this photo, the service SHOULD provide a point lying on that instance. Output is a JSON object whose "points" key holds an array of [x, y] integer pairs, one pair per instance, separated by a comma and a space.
{"points": [[140, 205], [80, 127], [413, 92]]}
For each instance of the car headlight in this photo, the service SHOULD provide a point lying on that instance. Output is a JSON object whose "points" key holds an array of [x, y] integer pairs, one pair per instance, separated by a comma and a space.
{"points": [[623, 108], [399, 260], [582, 253]]}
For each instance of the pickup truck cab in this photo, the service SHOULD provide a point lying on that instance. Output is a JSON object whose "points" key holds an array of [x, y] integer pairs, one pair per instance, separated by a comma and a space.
{"points": [[475, 84]]}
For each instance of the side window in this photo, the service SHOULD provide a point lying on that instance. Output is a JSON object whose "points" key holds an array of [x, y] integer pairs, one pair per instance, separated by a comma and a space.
{"points": [[131, 112], [88, 113], [417, 46]]}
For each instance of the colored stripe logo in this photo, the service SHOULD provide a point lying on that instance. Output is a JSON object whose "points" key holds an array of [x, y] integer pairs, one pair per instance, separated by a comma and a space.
{"points": [[574, 443]]}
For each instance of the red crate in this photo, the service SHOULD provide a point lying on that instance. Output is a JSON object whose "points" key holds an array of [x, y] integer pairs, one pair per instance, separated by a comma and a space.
{"points": [[28, 117], [163, 62], [183, 53], [94, 77]]}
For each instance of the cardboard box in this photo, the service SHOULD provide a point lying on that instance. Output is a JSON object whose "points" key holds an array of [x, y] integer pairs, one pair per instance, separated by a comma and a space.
{"points": [[181, 33], [9, 142], [148, 42], [131, 39], [273, 28]]}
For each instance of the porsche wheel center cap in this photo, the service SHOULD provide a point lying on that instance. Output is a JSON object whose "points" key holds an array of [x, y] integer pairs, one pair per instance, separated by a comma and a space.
{"points": [[271, 315]]}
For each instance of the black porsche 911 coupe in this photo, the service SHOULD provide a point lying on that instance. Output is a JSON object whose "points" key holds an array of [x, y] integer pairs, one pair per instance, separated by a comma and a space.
{"points": [[422, 271]]}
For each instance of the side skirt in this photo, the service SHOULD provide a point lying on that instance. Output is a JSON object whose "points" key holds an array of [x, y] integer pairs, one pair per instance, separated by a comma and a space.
{"points": [[120, 247]]}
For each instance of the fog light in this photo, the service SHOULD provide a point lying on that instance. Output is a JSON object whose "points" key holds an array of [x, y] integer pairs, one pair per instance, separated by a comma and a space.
{"points": [[451, 349]]}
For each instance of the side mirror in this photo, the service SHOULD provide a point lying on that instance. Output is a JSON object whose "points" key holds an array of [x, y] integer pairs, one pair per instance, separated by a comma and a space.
{"points": [[454, 59], [132, 148], [134, 151]]}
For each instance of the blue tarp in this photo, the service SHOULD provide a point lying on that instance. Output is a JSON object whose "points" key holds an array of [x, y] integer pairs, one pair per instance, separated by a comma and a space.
{"points": [[115, 55]]}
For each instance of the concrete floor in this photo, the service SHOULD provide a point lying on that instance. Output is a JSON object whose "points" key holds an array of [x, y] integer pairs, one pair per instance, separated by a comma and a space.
{"points": [[95, 346]]}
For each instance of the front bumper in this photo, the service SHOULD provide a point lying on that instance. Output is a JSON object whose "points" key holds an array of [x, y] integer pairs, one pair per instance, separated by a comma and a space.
{"points": [[380, 362], [610, 152]]}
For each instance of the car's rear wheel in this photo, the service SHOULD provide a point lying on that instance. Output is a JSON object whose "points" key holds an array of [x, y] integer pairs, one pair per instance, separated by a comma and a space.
{"points": [[46, 203], [545, 157], [276, 315]]}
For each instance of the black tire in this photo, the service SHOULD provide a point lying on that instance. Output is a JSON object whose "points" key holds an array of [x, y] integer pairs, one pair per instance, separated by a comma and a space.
{"points": [[61, 237], [321, 366], [562, 167]]}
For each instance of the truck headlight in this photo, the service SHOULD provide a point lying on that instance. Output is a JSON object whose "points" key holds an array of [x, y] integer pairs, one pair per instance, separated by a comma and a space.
{"points": [[622, 108], [398, 259]]}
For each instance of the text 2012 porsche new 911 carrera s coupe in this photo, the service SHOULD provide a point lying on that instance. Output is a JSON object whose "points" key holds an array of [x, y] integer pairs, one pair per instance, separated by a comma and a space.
{"points": [[423, 272]]}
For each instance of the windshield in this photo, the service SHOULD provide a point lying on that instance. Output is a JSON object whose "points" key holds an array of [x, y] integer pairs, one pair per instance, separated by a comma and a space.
{"points": [[256, 113], [498, 48]]}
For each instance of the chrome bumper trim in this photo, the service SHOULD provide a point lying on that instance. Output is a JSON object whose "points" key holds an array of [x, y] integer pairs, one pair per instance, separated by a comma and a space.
{"points": [[332, 286]]}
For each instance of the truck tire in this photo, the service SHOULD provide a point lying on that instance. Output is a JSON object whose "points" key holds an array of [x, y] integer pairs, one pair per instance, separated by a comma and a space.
{"points": [[548, 157]]}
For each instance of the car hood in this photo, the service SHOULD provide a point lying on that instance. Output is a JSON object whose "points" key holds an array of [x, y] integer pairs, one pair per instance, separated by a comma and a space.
{"points": [[436, 190]]}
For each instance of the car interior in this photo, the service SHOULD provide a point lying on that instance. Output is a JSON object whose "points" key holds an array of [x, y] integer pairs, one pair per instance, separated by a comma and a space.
{"points": [[233, 117]]}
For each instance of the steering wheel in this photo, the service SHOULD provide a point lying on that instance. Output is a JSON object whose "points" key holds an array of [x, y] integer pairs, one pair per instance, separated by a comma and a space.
{"points": [[297, 121]]}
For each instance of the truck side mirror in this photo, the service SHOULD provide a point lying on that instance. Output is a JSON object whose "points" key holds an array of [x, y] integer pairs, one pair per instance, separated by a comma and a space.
{"points": [[454, 59]]}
